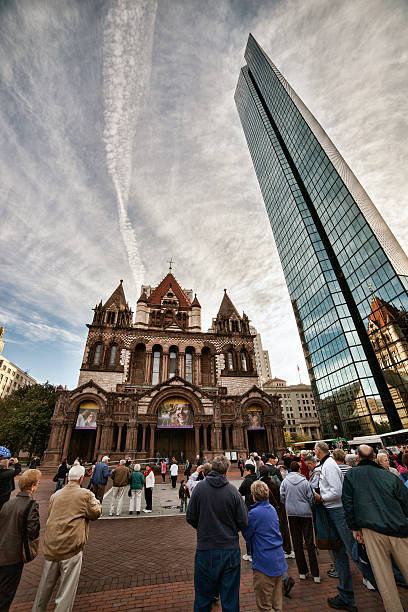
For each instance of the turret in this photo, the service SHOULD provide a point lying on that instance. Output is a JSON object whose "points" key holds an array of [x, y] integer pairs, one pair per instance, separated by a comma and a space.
{"points": [[142, 310], [195, 315]]}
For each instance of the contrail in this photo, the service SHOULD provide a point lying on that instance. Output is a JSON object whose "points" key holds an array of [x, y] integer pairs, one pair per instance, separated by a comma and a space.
{"points": [[128, 40]]}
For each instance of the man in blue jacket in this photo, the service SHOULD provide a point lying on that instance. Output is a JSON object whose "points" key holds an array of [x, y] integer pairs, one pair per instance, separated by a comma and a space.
{"points": [[218, 512], [268, 558], [100, 477]]}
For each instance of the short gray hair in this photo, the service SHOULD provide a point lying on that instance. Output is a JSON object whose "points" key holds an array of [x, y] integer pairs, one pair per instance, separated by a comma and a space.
{"points": [[311, 459], [220, 464], [122, 461], [76, 472], [136, 467], [351, 460], [323, 447], [260, 490]]}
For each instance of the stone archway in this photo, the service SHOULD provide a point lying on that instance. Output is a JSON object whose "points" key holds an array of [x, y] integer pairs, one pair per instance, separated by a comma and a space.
{"points": [[83, 435]]}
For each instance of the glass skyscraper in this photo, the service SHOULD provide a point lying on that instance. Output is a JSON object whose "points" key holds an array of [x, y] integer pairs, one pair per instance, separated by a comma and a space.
{"points": [[346, 273]]}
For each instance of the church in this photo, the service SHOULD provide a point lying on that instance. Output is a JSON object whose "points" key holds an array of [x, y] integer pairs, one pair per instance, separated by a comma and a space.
{"points": [[156, 384]]}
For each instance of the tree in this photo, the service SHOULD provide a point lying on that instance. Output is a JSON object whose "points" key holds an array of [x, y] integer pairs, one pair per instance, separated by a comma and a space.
{"points": [[25, 418], [288, 439]]}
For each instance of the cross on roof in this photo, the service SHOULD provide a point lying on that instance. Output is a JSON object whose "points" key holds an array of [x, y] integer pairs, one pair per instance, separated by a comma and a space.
{"points": [[171, 262]]}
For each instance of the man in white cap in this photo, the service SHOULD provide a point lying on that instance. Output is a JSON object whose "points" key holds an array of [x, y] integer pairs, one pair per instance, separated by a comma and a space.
{"points": [[66, 534], [100, 477]]}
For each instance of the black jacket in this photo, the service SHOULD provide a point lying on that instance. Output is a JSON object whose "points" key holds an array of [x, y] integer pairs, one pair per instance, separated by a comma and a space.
{"points": [[218, 512], [7, 481], [245, 489], [376, 499], [274, 471], [11, 532]]}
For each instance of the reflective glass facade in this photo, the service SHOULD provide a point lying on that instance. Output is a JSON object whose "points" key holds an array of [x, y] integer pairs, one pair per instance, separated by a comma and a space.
{"points": [[346, 273]]}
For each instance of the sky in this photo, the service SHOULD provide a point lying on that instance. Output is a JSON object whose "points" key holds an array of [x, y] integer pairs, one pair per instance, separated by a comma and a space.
{"points": [[121, 147]]}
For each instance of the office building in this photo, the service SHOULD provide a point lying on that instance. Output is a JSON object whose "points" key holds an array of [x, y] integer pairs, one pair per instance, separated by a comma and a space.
{"points": [[11, 376], [342, 264]]}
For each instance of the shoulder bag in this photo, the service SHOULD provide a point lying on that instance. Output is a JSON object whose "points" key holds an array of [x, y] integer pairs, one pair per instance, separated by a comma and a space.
{"points": [[30, 547]]}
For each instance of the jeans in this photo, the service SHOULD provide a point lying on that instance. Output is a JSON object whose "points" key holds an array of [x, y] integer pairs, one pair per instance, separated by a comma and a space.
{"points": [[338, 522], [60, 484], [183, 502], [217, 571]]}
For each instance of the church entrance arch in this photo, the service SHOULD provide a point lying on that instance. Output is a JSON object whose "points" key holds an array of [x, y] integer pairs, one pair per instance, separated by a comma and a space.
{"points": [[82, 443], [257, 439], [175, 428]]}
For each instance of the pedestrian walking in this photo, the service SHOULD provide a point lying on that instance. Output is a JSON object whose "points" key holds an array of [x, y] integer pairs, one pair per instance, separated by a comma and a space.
{"points": [[174, 473], [376, 509], [268, 559], [136, 487], [149, 486], [66, 534], [120, 477], [8, 471], [100, 477], [184, 496], [187, 468], [297, 495], [241, 465], [61, 475], [163, 469], [218, 512], [328, 494], [19, 520]]}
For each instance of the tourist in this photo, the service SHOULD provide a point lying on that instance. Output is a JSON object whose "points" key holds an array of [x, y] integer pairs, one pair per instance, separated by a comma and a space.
{"points": [[340, 457], [11, 534], [275, 501], [163, 469], [8, 470], [60, 476], [66, 534], [351, 459], [384, 461], [199, 474], [184, 495], [149, 486], [265, 541], [304, 470], [275, 473], [174, 473], [245, 491], [34, 463], [136, 488], [120, 477], [99, 478], [187, 468], [376, 509], [241, 465], [218, 513], [251, 459], [298, 497], [329, 495]]}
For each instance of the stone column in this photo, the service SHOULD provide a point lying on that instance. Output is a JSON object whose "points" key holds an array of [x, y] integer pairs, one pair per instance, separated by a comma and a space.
{"points": [[148, 367], [144, 437], [152, 436], [164, 370], [198, 379], [271, 447], [246, 440], [197, 438], [68, 435], [182, 365], [119, 437], [98, 440], [218, 438], [205, 437], [227, 438]]}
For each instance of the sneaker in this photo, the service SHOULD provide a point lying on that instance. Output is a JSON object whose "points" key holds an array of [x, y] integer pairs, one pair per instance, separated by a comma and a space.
{"points": [[247, 557], [339, 604], [288, 585], [302, 576], [130, 511], [138, 512], [147, 511], [368, 584], [332, 572], [290, 555], [316, 579]]}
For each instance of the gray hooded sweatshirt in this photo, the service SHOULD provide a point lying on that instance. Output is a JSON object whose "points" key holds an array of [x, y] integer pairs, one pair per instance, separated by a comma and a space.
{"points": [[297, 495]]}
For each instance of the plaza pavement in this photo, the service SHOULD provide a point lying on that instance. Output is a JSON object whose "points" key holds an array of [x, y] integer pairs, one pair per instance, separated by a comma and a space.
{"points": [[146, 564]]}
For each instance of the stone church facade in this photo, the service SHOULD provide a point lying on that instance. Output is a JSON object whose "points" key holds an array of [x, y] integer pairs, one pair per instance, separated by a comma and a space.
{"points": [[160, 385]]}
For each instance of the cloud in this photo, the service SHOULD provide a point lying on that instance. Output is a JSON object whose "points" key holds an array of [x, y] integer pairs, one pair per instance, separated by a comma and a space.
{"points": [[190, 188]]}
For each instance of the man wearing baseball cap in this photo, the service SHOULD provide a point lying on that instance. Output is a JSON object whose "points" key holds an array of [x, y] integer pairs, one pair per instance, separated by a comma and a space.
{"points": [[7, 475]]}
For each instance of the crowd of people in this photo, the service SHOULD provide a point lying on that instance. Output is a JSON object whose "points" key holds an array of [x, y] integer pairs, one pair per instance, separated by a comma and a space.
{"points": [[355, 506]]}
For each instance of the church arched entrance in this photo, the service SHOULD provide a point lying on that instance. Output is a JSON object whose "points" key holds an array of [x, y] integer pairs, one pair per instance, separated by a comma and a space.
{"points": [[175, 429], [83, 437]]}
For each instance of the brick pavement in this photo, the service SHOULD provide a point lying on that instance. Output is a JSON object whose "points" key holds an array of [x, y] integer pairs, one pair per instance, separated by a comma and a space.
{"points": [[147, 566]]}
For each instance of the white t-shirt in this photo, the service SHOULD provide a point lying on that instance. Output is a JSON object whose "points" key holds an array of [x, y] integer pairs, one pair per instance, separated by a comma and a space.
{"points": [[174, 469]]}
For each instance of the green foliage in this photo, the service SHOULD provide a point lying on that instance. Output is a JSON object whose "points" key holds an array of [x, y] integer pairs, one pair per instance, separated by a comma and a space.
{"points": [[25, 419], [288, 439], [291, 438]]}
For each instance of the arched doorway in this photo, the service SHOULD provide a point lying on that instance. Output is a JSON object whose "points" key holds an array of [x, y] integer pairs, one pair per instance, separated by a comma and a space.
{"points": [[83, 437], [175, 428], [257, 439]]}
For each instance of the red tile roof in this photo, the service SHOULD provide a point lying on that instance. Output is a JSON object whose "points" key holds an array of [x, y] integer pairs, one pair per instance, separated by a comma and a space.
{"points": [[169, 282]]}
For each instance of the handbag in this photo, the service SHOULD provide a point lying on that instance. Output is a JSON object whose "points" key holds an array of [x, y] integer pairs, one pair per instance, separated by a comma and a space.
{"points": [[30, 547], [55, 479]]}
